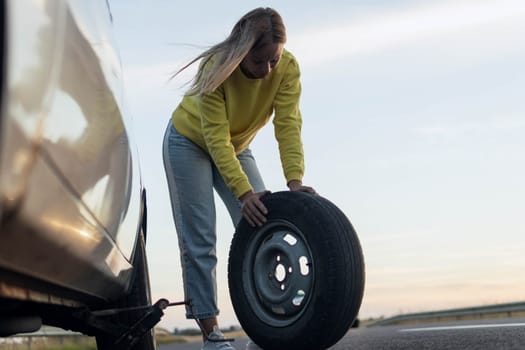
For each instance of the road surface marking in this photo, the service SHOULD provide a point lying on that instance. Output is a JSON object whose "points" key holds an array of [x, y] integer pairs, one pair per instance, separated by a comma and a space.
{"points": [[445, 328]]}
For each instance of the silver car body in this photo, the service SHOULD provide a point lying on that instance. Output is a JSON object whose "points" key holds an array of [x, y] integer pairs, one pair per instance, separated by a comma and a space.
{"points": [[71, 197]]}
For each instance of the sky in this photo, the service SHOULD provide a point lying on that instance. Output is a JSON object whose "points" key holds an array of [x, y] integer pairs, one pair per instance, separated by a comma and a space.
{"points": [[413, 125]]}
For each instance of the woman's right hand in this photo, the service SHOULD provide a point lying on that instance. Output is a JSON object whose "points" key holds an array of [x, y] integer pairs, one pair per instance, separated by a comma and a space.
{"points": [[253, 208]]}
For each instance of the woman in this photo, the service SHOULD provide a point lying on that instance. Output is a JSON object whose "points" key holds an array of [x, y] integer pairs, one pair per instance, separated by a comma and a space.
{"points": [[240, 84]]}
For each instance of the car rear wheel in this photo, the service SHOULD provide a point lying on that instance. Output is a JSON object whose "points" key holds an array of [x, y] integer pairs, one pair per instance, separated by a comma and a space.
{"points": [[297, 282], [139, 295]]}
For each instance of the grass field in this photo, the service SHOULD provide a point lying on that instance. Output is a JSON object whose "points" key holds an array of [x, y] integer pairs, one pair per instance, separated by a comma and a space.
{"points": [[86, 343]]}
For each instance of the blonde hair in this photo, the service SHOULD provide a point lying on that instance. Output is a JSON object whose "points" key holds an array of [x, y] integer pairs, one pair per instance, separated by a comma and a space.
{"points": [[253, 30]]}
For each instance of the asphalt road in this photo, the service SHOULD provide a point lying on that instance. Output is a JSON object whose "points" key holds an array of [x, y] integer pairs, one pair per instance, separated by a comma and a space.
{"points": [[498, 334]]}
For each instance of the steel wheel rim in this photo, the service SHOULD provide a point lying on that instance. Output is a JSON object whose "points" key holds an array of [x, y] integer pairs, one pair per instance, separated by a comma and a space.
{"points": [[278, 273]]}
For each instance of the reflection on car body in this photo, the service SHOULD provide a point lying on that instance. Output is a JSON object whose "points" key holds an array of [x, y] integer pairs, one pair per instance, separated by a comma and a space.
{"points": [[72, 205]]}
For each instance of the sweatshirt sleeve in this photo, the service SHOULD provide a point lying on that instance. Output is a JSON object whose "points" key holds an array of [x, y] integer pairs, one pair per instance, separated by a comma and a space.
{"points": [[216, 133], [287, 123]]}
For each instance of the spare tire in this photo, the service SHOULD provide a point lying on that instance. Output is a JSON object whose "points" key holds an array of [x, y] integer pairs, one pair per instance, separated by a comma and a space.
{"points": [[296, 282]]}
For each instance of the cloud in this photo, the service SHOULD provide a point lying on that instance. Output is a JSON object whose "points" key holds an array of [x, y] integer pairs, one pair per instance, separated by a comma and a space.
{"points": [[418, 25], [153, 74], [501, 124]]}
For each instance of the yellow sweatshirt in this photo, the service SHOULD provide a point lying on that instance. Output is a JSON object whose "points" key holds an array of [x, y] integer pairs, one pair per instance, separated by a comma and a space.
{"points": [[224, 122]]}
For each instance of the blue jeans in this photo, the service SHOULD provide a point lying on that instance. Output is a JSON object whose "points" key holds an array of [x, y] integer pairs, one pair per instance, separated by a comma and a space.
{"points": [[192, 177]]}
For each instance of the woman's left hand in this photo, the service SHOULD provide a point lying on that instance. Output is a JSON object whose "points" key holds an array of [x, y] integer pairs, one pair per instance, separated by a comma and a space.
{"points": [[296, 185]]}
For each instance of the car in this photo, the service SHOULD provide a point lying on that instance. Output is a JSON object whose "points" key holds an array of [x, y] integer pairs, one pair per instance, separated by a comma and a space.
{"points": [[73, 212]]}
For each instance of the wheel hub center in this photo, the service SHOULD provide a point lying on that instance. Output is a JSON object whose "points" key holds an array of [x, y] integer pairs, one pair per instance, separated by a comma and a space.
{"points": [[280, 273]]}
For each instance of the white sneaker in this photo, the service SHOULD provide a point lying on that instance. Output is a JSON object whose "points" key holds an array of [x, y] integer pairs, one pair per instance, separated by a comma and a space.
{"points": [[252, 346], [219, 343]]}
